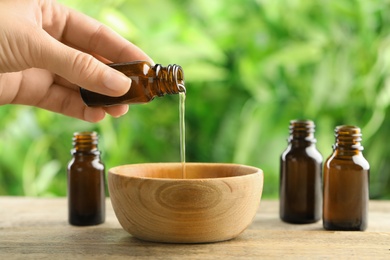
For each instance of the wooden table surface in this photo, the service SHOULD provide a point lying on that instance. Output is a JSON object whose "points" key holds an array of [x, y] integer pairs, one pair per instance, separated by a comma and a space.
{"points": [[36, 228]]}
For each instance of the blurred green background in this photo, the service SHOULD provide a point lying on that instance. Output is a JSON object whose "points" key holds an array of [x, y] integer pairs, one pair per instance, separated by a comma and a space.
{"points": [[250, 66]]}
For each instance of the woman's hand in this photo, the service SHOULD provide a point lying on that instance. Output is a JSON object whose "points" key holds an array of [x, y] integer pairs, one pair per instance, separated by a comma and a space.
{"points": [[47, 50]]}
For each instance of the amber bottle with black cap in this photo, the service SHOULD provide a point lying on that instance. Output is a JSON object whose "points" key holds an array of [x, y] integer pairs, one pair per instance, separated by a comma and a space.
{"points": [[301, 176], [346, 182], [148, 81], [86, 181]]}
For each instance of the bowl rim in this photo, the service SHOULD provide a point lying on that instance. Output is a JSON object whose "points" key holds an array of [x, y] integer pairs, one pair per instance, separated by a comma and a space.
{"points": [[256, 171]]}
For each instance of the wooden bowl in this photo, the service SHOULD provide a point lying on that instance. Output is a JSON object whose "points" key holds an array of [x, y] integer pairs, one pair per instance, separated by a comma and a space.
{"points": [[215, 202]]}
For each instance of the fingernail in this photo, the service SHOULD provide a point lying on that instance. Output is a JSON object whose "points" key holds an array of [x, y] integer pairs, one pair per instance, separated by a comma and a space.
{"points": [[94, 114], [125, 109], [116, 81]]}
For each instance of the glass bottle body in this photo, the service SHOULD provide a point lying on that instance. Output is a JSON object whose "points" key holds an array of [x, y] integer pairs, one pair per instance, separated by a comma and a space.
{"points": [[301, 176], [86, 183], [147, 83], [346, 183]]}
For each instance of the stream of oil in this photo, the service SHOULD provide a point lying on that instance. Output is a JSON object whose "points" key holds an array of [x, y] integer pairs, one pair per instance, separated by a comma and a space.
{"points": [[182, 133]]}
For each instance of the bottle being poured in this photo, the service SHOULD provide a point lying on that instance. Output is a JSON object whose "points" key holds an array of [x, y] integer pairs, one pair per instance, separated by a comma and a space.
{"points": [[148, 81]]}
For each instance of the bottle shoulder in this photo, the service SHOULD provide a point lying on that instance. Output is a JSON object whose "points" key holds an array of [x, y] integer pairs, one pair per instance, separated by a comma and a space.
{"points": [[90, 161], [139, 68], [302, 152], [356, 161]]}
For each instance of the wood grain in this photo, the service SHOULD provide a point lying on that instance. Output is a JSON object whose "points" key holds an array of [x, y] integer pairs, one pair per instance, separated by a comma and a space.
{"points": [[33, 228]]}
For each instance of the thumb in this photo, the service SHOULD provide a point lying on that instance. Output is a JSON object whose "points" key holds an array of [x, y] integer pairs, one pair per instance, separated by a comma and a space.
{"points": [[80, 68]]}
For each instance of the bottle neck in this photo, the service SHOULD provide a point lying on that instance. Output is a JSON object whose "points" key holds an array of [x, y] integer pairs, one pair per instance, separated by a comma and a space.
{"points": [[170, 79], [348, 139], [302, 133], [85, 142]]}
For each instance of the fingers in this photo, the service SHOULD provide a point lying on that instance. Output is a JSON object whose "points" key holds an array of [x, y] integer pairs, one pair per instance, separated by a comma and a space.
{"points": [[99, 39], [36, 88], [67, 102], [78, 67], [91, 42]]}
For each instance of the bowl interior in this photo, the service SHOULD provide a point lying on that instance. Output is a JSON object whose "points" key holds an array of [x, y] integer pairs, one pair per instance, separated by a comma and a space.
{"points": [[183, 171]]}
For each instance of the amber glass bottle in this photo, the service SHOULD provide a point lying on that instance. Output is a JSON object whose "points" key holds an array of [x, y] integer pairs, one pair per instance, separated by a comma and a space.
{"points": [[147, 83], [86, 181], [346, 180], [301, 176]]}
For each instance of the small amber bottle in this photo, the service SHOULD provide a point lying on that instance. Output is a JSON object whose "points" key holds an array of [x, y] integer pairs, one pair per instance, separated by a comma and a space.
{"points": [[86, 181], [301, 176], [346, 183], [147, 83]]}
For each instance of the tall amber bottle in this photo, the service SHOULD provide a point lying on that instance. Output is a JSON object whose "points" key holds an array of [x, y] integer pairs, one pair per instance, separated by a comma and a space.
{"points": [[301, 176], [86, 181], [346, 183], [147, 83]]}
